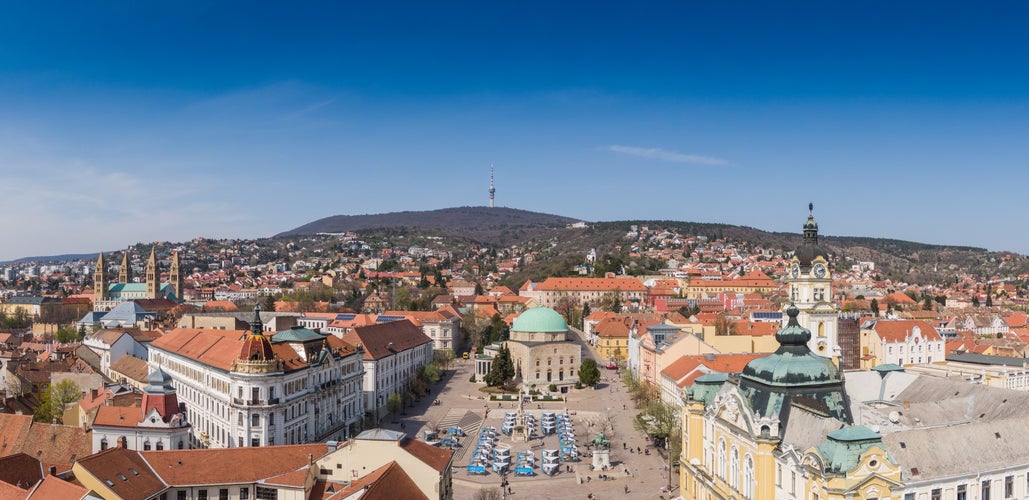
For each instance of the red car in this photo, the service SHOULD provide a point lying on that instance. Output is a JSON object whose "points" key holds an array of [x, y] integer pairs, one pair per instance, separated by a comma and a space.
{"points": [[612, 366]]}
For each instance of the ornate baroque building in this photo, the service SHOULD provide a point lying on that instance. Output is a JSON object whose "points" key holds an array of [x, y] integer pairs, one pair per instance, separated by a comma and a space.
{"points": [[246, 388]]}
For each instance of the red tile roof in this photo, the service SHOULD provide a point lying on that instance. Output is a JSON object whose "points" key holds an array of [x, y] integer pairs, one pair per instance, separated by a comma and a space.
{"points": [[591, 284], [433, 456], [54, 488], [124, 472], [230, 465], [384, 339], [893, 331]]}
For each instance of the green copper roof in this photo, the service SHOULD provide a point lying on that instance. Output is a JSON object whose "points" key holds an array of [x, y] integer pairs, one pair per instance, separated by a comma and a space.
{"points": [[794, 375], [888, 367], [539, 319], [296, 334], [705, 387], [842, 448]]}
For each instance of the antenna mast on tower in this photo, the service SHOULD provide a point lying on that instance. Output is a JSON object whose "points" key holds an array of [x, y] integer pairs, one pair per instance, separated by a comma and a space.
{"points": [[492, 189]]}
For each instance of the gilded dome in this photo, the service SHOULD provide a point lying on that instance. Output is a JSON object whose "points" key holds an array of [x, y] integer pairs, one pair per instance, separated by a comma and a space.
{"points": [[540, 320]]}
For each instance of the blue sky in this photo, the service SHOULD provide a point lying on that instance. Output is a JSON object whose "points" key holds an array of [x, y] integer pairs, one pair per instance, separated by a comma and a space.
{"points": [[124, 122]]}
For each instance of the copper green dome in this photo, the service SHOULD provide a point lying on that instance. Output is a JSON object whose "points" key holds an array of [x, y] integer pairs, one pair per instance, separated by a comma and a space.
{"points": [[793, 364], [541, 320], [794, 374]]}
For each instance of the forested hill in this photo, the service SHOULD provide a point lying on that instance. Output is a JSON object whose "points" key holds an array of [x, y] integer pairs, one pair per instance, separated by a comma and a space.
{"points": [[498, 225]]}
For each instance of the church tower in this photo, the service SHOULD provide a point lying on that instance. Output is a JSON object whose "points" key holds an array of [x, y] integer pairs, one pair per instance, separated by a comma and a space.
{"points": [[153, 282], [123, 272], [810, 283], [100, 280], [175, 276]]}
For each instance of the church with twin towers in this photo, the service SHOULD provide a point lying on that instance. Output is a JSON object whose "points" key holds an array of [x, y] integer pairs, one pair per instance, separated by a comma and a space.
{"points": [[107, 295]]}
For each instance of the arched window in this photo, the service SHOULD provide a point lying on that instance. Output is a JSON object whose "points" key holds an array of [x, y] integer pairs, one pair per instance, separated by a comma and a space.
{"points": [[748, 478], [734, 468], [160, 445], [721, 458]]}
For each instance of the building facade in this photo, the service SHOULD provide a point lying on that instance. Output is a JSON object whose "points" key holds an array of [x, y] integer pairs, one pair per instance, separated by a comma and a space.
{"points": [[245, 388], [391, 354]]}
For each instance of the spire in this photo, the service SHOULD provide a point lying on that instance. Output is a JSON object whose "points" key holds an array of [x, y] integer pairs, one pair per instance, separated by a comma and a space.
{"points": [[100, 280], [793, 334], [256, 326], [492, 188], [123, 271], [811, 227], [153, 276], [175, 276]]}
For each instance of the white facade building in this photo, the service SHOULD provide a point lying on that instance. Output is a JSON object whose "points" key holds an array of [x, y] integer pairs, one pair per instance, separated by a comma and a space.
{"points": [[392, 354], [249, 389]]}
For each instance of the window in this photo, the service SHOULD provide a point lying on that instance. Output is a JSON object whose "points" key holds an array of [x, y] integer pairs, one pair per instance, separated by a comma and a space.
{"points": [[201, 494], [160, 445], [962, 494], [936, 494], [244, 494], [255, 420], [721, 458], [734, 468], [1009, 486], [223, 494], [909, 496], [181, 495], [263, 493], [984, 492], [748, 478]]}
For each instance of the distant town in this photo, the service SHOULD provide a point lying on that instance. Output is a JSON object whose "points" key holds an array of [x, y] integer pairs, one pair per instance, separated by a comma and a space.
{"points": [[394, 363]]}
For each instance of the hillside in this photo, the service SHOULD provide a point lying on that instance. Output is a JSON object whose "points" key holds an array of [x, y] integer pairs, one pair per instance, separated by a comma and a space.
{"points": [[497, 226]]}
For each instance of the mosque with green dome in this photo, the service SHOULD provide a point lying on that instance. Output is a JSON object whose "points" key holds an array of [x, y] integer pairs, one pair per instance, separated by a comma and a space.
{"points": [[541, 350]]}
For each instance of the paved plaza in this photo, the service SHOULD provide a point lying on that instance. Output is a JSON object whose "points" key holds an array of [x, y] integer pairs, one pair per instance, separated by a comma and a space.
{"points": [[461, 404]]}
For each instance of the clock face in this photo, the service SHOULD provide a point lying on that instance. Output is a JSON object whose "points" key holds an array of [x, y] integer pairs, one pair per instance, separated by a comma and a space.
{"points": [[795, 270], [819, 271]]}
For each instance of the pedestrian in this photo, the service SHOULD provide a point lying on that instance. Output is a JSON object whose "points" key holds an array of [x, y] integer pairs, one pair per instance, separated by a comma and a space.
{"points": [[626, 489], [509, 490], [623, 446]]}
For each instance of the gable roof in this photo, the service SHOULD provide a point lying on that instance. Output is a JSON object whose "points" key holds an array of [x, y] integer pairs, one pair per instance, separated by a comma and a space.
{"points": [[124, 472], [224, 465], [53, 445], [433, 456], [893, 331], [385, 339]]}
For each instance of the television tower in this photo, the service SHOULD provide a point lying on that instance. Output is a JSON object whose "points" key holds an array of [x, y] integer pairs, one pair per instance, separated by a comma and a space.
{"points": [[492, 189]]}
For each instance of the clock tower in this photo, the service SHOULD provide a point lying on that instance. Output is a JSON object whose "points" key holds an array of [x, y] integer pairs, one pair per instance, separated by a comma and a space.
{"points": [[810, 283]]}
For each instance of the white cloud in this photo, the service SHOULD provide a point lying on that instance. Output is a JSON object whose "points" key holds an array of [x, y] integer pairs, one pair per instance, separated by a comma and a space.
{"points": [[665, 155]]}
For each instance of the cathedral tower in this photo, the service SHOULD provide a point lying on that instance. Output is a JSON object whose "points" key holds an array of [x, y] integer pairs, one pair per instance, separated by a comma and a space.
{"points": [[153, 282], [123, 272], [175, 276], [99, 280]]}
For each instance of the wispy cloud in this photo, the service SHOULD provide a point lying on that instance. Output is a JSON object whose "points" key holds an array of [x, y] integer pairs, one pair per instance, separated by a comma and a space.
{"points": [[665, 155]]}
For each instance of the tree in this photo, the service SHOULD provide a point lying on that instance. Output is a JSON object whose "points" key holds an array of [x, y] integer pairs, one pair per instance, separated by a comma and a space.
{"points": [[502, 368], [488, 494], [661, 421], [394, 403], [975, 301], [585, 312], [588, 372], [443, 358], [927, 303], [612, 301], [429, 373], [54, 398], [724, 326], [989, 299], [875, 308]]}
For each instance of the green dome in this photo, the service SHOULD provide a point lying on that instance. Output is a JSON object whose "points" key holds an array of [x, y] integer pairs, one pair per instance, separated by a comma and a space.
{"points": [[541, 320]]}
